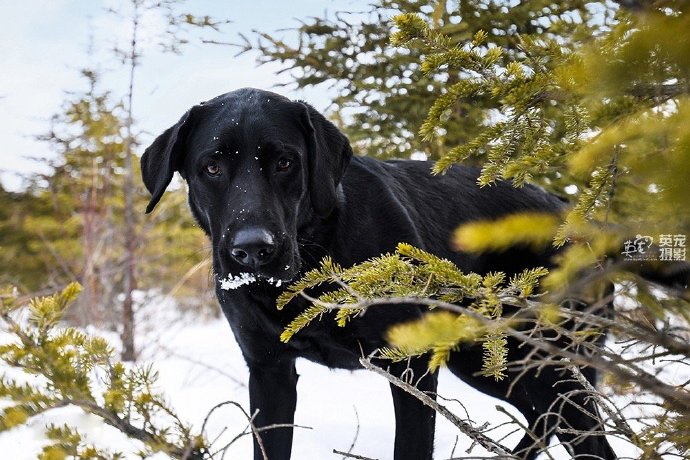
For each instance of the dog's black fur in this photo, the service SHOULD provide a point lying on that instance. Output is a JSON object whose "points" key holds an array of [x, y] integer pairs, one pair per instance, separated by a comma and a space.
{"points": [[276, 219]]}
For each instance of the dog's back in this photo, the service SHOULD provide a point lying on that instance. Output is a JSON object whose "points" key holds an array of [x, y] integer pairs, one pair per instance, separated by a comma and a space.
{"points": [[425, 209]]}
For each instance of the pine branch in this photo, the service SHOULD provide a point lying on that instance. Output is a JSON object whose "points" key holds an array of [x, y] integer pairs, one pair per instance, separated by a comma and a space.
{"points": [[133, 431], [613, 363], [67, 359]]}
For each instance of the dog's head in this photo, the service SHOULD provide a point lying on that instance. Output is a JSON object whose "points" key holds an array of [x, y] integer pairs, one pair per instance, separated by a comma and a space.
{"points": [[258, 167]]}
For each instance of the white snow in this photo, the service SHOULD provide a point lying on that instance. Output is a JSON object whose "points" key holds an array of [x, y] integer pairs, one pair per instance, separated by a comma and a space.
{"points": [[200, 365], [233, 282], [275, 282]]}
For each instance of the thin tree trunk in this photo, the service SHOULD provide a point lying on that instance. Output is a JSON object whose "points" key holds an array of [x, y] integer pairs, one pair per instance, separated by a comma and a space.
{"points": [[88, 303], [128, 350]]}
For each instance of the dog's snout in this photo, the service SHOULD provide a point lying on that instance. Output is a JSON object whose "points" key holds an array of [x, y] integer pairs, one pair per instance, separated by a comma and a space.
{"points": [[253, 247]]}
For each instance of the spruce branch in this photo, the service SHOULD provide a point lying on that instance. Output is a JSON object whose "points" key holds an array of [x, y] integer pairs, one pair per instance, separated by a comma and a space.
{"points": [[414, 273], [69, 360], [611, 363]]}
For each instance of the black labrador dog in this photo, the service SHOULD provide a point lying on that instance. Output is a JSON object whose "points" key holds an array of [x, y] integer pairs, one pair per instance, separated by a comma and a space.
{"points": [[275, 187]]}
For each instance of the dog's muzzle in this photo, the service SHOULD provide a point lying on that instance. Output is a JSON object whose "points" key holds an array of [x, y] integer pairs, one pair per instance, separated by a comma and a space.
{"points": [[253, 247]]}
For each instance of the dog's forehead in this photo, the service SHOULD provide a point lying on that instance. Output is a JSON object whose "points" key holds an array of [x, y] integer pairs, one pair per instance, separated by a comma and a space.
{"points": [[248, 115]]}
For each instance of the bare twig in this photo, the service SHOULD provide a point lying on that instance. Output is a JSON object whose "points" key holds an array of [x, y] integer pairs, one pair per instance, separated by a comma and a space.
{"points": [[537, 440], [349, 455], [253, 430], [605, 405], [354, 439], [474, 434]]}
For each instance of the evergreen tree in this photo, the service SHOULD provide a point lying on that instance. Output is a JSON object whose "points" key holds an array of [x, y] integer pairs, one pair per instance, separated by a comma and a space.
{"points": [[83, 224], [67, 224], [77, 369], [601, 117], [383, 97], [20, 247], [171, 39]]}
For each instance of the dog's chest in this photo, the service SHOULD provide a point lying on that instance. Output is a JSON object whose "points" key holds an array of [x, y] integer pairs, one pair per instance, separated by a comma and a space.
{"points": [[257, 326], [328, 351]]}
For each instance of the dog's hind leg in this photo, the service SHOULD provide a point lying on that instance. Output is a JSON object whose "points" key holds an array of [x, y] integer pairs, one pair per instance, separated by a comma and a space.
{"points": [[555, 403], [467, 364], [414, 421], [540, 429], [579, 425]]}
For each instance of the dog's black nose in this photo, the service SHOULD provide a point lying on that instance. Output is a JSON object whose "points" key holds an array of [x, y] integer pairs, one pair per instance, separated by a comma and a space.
{"points": [[253, 247]]}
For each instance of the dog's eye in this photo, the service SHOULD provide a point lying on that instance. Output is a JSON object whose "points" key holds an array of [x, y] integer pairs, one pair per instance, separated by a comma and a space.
{"points": [[283, 164], [213, 169]]}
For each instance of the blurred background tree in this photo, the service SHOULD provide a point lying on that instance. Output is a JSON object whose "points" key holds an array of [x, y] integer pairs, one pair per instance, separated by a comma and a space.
{"points": [[67, 225], [78, 222]]}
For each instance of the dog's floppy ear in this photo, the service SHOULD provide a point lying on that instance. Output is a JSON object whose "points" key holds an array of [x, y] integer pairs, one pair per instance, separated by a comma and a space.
{"points": [[163, 157], [329, 154]]}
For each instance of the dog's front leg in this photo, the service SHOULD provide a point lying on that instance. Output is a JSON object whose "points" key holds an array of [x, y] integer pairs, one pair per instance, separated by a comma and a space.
{"points": [[273, 393], [414, 421]]}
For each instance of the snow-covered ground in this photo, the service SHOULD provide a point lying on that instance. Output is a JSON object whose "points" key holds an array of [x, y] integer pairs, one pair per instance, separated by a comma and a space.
{"points": [[200, 365]]}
